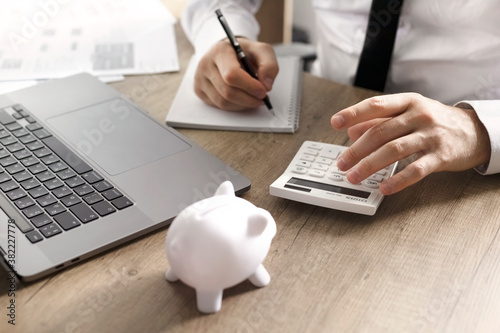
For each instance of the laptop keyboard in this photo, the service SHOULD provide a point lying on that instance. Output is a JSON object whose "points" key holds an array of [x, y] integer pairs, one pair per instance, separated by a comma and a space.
{"points": [[48, 183]]}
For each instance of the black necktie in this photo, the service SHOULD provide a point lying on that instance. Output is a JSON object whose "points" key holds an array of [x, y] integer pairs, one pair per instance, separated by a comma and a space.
{"points": [[379, 43]]}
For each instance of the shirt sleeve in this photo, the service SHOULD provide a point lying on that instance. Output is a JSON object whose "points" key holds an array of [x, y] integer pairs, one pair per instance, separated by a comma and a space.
{"points": [[203, 29], [488, 112]]}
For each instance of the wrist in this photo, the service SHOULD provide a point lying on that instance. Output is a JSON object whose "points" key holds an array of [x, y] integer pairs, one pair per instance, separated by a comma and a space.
{"points": [[482, 138]]}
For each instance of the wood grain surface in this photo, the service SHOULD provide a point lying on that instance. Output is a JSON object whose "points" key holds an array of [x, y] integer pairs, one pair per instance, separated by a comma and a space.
{"points": [[428, 261]]}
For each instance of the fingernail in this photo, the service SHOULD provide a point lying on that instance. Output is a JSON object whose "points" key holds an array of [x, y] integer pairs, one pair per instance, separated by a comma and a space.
{"points": [[353, 177], [341, 163], [385, 188], [338, 120], [268, 83], [260, 94]]}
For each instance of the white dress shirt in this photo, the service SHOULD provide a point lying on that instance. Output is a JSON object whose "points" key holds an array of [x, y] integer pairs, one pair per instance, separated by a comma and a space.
{"points": [[445, 50]]}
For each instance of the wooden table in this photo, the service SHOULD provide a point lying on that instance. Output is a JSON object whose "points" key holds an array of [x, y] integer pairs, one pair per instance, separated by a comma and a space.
{"points": [[428, 261]]}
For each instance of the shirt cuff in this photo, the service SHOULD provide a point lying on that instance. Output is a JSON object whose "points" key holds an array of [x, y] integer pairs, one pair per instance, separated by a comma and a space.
{"points": [[488, 112], [211, 32]]}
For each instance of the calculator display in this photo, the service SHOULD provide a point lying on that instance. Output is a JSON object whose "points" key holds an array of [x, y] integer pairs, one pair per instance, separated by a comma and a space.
{"points": [[329, 187]]}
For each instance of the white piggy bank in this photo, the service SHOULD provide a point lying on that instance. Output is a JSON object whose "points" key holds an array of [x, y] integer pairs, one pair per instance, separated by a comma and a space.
{"points": [[217, 243]]}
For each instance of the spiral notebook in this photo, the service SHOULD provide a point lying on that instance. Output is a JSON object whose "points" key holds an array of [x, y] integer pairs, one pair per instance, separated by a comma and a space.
{"points": [[188, 111]]}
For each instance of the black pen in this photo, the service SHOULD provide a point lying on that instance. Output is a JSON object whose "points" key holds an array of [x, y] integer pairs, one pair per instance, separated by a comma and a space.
{"points": [[240, 54]]}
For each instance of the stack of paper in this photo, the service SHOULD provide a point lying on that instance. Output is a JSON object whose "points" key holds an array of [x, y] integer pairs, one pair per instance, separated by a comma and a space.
{"points": [[47, 39]]}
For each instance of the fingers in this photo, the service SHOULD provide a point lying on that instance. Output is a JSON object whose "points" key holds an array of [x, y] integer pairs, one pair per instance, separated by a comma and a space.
{"points": [[381, 139], [356, 131], [383, 133], [389, 153], [410, 175], [267, 64], [213, 91], [371, 108], [389, 128], [395, 150], [221, 82], [229, 73]]}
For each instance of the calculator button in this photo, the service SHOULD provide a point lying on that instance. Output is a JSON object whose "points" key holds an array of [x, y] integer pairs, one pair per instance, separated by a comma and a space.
{"points": [[376, 178], [319, 166], [370, 183], [336, 177], [324, 160], [299, 170], [313, 152], [314, 145], [330, 152], [337, 170], [309, 158], [304, 164], [345, 178], [316, 162], [316, 173]]}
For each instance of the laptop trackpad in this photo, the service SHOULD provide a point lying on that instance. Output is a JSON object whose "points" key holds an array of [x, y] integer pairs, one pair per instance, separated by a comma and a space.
{"points": [[117, 136]]}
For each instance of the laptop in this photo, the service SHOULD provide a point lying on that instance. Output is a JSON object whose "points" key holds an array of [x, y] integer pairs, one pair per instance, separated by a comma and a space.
{"points": [[84, 170]]}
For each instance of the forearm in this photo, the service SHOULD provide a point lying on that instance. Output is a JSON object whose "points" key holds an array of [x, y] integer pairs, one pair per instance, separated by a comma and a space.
{"points": [[203, 29], [488, 112]]}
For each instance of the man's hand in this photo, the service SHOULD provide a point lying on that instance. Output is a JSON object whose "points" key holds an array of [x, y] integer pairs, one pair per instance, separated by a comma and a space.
{"points": [[221, 82], [389, 128]]}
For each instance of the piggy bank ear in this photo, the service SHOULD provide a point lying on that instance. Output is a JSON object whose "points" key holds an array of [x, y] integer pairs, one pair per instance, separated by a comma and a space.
{"points": [[226, 188], [257, 222]]}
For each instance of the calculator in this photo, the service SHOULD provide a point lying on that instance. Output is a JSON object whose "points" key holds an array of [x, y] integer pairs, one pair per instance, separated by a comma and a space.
{"points": [[313, 177]]}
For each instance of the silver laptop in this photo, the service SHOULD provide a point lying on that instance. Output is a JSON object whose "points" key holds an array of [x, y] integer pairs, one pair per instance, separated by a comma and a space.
{"points": [[83, 170]]}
